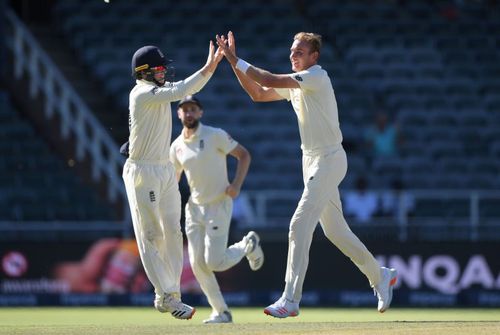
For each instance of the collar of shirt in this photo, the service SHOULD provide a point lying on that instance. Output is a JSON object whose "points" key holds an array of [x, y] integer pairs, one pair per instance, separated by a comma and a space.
{"points": [[315, 66], [144, 82], [195, 135]]}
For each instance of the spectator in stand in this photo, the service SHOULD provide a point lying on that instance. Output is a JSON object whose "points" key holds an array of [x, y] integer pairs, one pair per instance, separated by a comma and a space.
{"points": [[382, 138]]}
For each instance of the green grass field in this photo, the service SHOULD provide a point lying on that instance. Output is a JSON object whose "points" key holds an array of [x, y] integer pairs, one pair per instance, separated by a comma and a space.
{"points": [[128, 321]]}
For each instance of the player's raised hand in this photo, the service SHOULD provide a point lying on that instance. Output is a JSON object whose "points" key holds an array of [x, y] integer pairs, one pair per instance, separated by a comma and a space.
{"points": [[213, 58], [222, 42], [211, 50], [218, 55], [231, 42]]}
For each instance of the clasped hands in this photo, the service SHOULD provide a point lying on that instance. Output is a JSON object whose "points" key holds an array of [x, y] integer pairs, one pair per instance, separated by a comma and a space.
{"points": [[228, 47]]}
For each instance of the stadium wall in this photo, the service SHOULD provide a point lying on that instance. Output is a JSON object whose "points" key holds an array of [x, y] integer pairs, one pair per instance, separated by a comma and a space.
{"points": [[108, 272]]}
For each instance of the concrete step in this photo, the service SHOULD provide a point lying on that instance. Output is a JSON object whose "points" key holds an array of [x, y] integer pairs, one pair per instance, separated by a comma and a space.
{"points": [[88, 87]]}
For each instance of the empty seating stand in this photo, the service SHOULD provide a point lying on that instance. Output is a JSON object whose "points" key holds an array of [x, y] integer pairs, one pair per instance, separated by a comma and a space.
{"points": [[436, 75], [35, 184]]}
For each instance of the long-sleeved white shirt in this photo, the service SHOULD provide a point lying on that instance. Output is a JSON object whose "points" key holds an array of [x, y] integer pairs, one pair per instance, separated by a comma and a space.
{"points": [[150, 115]]}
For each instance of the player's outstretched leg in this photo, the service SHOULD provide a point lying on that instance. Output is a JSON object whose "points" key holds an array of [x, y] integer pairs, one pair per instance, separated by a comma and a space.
{"points": [[383, 290], [253, 250], [215, 317], [282, 308], [169, 303]]}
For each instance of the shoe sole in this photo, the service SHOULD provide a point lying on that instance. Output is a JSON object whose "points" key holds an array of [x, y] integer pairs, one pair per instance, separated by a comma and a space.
{"points": [[256, 239], [188, 318], [229, 319], [192, 313], [161, 309], [392, 282], [280, 316], [260, 259]]}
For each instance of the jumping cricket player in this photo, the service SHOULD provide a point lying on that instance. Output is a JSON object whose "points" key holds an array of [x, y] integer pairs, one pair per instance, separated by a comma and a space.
{"points": [[324, 166], [152, 189], [200, 151]]}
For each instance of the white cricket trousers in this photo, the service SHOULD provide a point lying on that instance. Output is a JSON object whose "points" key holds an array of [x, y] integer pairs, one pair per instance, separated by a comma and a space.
{"points": [[155, 205], [320, 201], [207, 230]]}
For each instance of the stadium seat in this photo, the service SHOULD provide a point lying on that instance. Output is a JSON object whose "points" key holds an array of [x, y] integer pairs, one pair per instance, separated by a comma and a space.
{"points": [[438, 77], [35, 182]]}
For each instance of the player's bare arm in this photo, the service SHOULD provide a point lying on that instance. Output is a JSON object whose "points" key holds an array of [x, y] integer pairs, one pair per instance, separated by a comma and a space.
{"points": [[244, 158], [262, 77], [256, 92]]}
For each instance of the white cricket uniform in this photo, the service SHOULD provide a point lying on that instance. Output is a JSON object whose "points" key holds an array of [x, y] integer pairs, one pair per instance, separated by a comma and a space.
{"points": [[150, 181], [324, 165], [202, 156]]}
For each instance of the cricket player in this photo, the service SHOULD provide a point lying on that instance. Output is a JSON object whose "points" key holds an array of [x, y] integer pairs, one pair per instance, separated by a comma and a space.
{"points": [[200, 151], [152, 189], [324, 166]]}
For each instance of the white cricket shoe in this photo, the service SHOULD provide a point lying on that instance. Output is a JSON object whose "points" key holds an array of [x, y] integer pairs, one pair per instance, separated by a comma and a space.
{"points": [[225, 317], [169, 303], [383, 290], [282, 308], [254, 252]]}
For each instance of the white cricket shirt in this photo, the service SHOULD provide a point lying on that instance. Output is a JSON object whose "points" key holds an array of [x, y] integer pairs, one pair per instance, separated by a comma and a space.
{"points": [[202, 156], [316, 108], [150, 116]]}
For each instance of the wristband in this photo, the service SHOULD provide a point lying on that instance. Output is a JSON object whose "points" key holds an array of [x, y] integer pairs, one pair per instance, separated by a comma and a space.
{"points": [[242, 65]]}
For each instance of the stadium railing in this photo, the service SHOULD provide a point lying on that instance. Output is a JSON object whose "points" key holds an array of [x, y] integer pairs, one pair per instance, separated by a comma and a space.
{"points": [[61, 99], [455, 214]]}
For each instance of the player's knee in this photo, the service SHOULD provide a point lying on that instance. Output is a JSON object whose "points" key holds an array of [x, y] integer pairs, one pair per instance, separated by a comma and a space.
{"points": [[298, 232], [198, 267], [213, 263], [196, 260], [172, 230]]}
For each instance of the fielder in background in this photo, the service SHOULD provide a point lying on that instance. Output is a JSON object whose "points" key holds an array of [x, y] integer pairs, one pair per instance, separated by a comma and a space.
{"points": [[324, 166], [200, 151], [152, 189]]}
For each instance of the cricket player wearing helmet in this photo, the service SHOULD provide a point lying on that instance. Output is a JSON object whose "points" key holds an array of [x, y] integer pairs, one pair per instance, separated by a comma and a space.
{"points": [[149, 176], [324, 161]]}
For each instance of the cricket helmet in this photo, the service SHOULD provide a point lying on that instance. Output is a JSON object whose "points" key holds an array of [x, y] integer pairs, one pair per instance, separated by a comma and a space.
{"points": [[145, 60]]}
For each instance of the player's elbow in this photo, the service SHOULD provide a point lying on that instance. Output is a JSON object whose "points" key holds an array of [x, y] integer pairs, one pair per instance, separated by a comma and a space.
{"points": [[259, 96], [247, 159], [256, 97], [214, 263], [245, 155]]}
